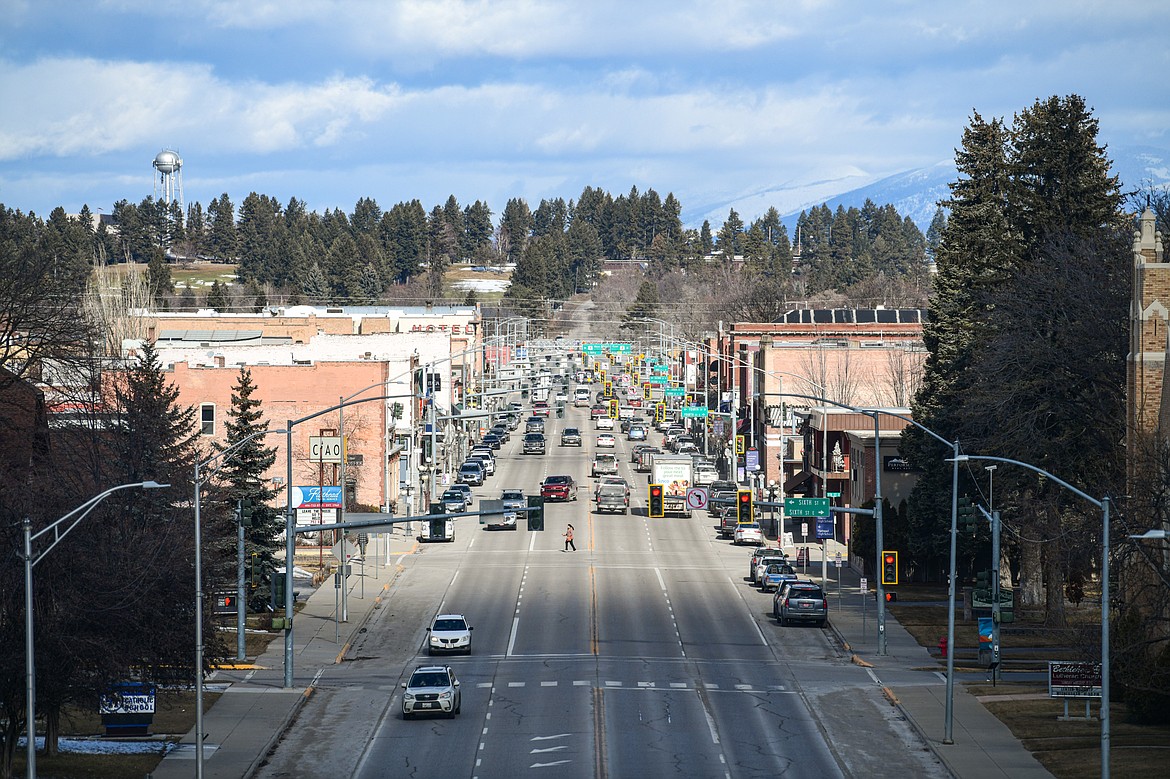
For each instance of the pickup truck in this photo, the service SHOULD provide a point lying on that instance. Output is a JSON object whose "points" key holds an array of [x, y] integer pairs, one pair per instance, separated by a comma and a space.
{"points": [[613, 498], [604, 463], [534, 443], [513, 501]]}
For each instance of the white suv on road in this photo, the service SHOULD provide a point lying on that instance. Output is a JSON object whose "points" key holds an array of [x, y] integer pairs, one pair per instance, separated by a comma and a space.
{"points": [[449, 633], [432, 689]]}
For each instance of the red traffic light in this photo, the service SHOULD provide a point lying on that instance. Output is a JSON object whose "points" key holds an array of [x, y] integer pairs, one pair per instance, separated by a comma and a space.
{"points": [[891, 559], [656, 490], [745, 497], [891, 597]]}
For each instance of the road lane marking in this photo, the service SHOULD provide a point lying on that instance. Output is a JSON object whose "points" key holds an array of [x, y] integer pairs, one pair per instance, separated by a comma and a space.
{"points": [[549, 765], [557, 748], [661, 581], [515, 684], [593, 628], [532, 543], [484, 685], [512, 638], [613, 684], [548, 684], [679, 685], [550, 738], [580, 682]]}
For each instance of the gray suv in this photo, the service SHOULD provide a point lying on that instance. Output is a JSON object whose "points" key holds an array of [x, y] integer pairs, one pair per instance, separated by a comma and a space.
{"points": [[534, 443], [801, 602]]}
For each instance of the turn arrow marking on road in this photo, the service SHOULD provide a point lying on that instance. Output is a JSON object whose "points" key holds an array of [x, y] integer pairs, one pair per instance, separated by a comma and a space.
{"points": [[550, 738], [550, 749], [549, 765]]}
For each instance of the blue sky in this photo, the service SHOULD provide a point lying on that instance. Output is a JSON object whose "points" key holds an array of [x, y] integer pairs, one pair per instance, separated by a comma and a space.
{"points": [[719, 102]]}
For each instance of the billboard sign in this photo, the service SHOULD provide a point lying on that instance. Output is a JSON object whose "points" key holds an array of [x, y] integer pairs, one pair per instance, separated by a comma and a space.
{"points": [[326, 497]]}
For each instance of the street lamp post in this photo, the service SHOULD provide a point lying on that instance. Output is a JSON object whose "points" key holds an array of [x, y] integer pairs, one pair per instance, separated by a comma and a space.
{"points": [[1102, 504], [74, 517]]}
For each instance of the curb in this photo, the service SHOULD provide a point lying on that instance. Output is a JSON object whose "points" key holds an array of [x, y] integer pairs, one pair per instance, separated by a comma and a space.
{"points": [[302, 699]]}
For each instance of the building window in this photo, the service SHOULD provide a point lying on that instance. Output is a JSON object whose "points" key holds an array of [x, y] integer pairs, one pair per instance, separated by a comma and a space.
{"points": [[207, 419]]}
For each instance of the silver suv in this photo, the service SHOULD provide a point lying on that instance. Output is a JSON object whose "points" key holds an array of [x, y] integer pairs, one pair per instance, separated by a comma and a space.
{"points": [[431, 689], [801, 602]]}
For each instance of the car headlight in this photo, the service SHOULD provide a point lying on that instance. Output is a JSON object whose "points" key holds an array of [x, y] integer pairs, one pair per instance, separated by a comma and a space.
{"points": [[409, 696], [435, 639], [445, 696]]}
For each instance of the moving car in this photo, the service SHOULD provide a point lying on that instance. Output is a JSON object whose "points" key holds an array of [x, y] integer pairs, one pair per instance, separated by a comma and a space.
{"points": [[449, 633], [605, 423], [606, 441], [494, 440], [540, 408], [513, 501], [598, 411], [570, 436], [534, 425], [603, 464], [801, 602], [534, 443], [558, 488], [486, 460], [705, 474], [636, 433], [432, 689], [613, 497]]}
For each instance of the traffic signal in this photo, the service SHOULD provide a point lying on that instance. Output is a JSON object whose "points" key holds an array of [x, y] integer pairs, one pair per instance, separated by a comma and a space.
{"points": [[983, 580], [254, 571], [655, 502], [536, 512], [743, 504], [889, 567], [740, 447], [966, 515], [891, 597], [609, 389], [646, 390], [224, 604], [613, 409], [659, 412]]}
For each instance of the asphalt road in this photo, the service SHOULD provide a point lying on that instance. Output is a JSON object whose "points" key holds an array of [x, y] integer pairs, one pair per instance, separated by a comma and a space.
{"points": [[643, 653]]}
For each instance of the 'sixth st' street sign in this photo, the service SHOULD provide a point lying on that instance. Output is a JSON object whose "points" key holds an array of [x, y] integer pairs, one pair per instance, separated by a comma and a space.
{"points": [[806, 507]]}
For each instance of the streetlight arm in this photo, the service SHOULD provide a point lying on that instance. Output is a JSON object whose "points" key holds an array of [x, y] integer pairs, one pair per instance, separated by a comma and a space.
{"points": [[965, 457], [75, 516]]}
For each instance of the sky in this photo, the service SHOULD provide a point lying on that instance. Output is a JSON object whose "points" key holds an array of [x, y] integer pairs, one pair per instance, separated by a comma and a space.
{"points": [[329, 101]]}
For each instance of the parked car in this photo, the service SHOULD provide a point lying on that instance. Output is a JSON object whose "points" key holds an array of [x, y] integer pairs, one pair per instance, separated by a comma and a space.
{"points": [[487, 461], [570, 436], [494, 440], [465, 491], [801, 602], [775, 575], [759, 553], [432, 689], [471, 472], [747, 533], [449, 633], [453, 502], [606, 441], [534, 443], [558, 488]]}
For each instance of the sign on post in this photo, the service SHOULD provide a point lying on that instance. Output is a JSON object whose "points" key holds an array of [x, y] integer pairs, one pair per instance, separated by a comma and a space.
{"points": [[824, 527], [1070, 679], [325, 448], [806, 507], [691, 412]]}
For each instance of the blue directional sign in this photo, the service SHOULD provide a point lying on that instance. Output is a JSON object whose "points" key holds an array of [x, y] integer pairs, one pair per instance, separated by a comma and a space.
{"points": [[824, 527]]}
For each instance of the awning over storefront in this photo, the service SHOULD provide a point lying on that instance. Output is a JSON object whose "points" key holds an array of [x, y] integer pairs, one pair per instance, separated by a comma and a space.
{"points": [[796, 481]]}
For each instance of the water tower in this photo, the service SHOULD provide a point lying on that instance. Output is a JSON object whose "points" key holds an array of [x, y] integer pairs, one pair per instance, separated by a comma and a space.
{"points": [[168, 184]]}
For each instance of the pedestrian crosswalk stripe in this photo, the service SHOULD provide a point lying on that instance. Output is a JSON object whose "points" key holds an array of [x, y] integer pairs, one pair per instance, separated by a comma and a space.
{"points": [[645, 684], [613, 684], [548, 684], [743, 686], [581, 683], [515, 684], [484, 685], [679, 685]]}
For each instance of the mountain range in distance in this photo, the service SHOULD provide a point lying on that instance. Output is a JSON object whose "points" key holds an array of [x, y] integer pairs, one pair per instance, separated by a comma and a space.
{"points": [[915, 193]]}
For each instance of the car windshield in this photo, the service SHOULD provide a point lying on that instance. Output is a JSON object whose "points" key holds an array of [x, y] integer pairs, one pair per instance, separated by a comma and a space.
{"points": [[805, 592], [429, 679], [557, 480], [571, 431], [450, 624], [470, 468], [512, 495], [452, 495]]}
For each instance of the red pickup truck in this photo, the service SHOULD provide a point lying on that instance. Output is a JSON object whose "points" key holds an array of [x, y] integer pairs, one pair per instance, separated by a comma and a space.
{"points": [[558, 488]]}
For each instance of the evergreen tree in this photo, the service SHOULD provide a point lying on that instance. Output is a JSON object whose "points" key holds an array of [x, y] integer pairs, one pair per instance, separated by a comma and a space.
{"points": [[644, 305], [315, 285], [730, 240], [158, 275], [706, 243], [243, 471], [222, 237], [934, 233], [515, 227], [217, 297]]}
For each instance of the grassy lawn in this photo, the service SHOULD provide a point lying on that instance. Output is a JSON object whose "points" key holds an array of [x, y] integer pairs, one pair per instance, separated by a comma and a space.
{"points": [[1069, 750], [174, 717]]}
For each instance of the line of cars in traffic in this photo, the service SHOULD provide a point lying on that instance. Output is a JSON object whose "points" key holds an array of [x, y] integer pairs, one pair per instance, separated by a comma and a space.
{"points": [[795, 599]]}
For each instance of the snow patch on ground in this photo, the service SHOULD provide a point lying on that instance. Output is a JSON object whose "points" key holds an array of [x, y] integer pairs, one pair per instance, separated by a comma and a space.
{"points": [[99, 746], [482, 285]]}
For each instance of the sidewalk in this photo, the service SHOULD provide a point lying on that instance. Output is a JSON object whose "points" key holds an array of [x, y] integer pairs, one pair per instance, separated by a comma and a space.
{"points": [[914, 681], [255, 708]]}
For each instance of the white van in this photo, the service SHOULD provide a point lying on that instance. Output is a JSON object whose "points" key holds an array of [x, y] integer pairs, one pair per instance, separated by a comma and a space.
{"points": [[581, 396]]}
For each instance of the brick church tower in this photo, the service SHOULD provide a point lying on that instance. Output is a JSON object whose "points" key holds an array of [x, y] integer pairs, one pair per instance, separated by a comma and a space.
{"points": [[1148, 403]]}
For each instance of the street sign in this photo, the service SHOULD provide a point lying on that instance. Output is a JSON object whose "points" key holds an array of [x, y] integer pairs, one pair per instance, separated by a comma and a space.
{"points": [[752, 460], [674, 392], [693, 412], [864, 586], [806, 507], [697, 498], [832, 494], [657, 380], [824, 527]]}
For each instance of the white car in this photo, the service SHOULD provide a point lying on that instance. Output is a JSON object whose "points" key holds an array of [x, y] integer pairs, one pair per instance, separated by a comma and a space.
{"points": [[748, 533], [449, 633], [606, 440], [431, 690], [605, 423]]}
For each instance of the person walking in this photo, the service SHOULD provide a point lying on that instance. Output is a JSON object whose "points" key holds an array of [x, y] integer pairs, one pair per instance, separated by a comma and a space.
{"points": [[568, 534]]}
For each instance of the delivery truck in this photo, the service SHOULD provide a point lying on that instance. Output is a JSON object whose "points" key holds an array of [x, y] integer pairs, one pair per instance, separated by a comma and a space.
{"points": [[676, 475]]}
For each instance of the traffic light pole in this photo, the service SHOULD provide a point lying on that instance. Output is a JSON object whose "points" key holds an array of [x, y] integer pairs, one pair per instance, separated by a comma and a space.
{"points": [[995, 615], [949, 724]]}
